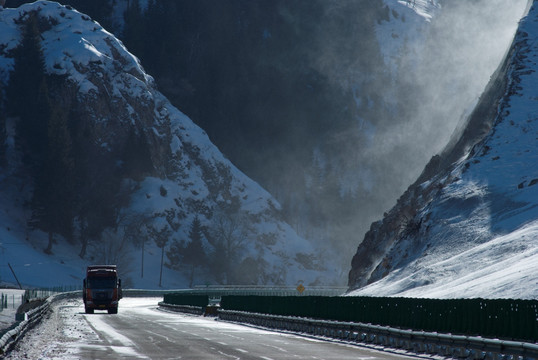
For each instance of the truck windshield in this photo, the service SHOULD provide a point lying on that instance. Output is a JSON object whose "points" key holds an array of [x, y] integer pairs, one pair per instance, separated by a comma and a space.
{"points": [[101, 282]]}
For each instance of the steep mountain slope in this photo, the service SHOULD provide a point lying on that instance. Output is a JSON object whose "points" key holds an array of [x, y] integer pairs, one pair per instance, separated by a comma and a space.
{"points": [[468, 226], [333, 106], [126, 136]]}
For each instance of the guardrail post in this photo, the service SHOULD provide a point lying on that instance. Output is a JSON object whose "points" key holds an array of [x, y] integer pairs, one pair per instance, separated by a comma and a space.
{"points": [[477, 354], [419, 347]]}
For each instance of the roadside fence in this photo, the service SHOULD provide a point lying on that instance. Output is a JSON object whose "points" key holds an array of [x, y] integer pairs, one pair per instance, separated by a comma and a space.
{"points": [[7, 300]]}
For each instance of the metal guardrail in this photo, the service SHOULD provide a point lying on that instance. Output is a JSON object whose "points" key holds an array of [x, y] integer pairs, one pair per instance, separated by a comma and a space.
{"points": [[146, 293], [223, 290], [196, 310], [10, 336], [415, 341], [44, 293]]}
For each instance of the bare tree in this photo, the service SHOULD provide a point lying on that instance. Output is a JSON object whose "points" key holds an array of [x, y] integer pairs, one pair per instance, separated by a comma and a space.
{"points": [[160, 236], [228, 235], [189, 254], [113, 249], [135, 230]]}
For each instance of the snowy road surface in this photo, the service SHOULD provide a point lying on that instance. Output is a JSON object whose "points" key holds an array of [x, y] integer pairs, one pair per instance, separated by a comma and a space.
{"points": [[142, 331]]}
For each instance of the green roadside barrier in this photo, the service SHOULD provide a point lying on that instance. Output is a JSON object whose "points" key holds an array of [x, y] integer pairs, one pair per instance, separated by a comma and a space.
{"points": [[191, 300], [499, 318]]}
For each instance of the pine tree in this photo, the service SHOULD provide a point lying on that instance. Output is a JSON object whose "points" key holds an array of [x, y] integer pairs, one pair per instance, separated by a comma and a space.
{"points": [[134, 28], [25, 93], [53, 198], [97, 201], [194, 254], [3, 135], [100, 10], [3, 130], [97, 181], [136, 156], [189, 254], [41, 135]]}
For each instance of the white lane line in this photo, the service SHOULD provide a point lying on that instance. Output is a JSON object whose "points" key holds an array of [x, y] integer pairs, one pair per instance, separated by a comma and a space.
{"points": [[127, 347], [241, 350], [127, 351], [166, 338], [111, 334], [229, 356], [276, 347]]}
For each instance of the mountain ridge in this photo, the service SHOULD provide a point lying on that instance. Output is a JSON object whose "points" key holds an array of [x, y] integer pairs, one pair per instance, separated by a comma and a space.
{"points": [[475, 193]]}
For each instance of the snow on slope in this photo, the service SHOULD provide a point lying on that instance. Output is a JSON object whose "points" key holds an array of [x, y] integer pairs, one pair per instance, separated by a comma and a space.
{"points": [[478, 237], [503, 267], [188, 163], [405, 29], [22, 249]]}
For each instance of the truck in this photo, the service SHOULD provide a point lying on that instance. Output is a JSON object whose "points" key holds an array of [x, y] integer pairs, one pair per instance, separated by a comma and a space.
{"points": [[101, 289]]}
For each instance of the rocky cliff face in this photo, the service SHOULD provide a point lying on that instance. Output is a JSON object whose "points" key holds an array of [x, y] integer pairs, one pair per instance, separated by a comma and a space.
{"points": [[167, 170], [479, 189]]}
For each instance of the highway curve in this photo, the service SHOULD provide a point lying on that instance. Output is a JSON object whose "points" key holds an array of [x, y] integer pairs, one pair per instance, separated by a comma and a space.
{"points": [[142, 331]]}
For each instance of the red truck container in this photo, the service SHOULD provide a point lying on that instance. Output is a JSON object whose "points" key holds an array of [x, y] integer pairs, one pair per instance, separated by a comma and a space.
{"points": [[101, 289]]}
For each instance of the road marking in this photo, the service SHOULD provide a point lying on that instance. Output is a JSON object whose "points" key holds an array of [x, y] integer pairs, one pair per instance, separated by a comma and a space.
{"points": [[230, 356], [101, 326], [119, 343], [166, 338], [276, 347], [241, 350], [127, 351]]}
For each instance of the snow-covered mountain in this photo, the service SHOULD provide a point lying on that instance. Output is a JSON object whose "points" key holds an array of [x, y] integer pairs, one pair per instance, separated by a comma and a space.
{"points": [[468, 227], [430, 59], [111, 96], [404, 30], [333, 106]]}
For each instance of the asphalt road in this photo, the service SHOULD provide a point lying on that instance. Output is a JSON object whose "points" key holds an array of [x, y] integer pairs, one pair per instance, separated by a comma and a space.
{"points": [[141, 331]]}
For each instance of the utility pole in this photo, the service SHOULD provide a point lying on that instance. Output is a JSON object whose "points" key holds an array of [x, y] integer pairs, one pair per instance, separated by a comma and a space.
{"points": [[20, 286], [162, 259]]}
